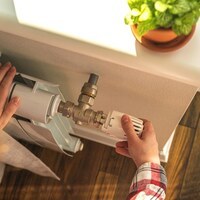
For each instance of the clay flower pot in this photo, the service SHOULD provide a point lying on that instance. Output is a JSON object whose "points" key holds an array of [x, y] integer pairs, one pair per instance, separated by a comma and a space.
{"points": [[162, 40], [160, 35]]}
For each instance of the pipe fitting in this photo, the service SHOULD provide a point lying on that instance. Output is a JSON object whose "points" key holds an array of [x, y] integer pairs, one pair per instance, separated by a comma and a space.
{"points": [[89, 89], [66, 108], [100, 118], [84, 99], [82, 113]]}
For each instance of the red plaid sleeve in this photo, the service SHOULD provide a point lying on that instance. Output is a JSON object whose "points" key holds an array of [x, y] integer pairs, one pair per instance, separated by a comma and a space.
{"points": [[149, 182]]}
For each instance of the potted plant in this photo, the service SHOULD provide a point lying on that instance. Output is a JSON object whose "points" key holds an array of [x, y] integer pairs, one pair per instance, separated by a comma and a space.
{"points": [[163, 25]]}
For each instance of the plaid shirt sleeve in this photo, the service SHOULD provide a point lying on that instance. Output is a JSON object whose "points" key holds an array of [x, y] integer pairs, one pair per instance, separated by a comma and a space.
{"points": [[149, 182]]}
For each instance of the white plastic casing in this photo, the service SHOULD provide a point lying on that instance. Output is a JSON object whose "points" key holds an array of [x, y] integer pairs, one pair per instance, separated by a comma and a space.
{"points": [[113, 126], [36, 104]]}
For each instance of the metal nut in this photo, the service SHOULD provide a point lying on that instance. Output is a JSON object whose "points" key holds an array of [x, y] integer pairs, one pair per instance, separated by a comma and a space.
{"points": [[89, 89], [86, 99], [68, 109], [100, 118]]}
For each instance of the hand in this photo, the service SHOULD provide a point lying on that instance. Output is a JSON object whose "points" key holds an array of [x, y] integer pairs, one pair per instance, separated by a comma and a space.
{"points": [[140, 149], [7, 73]]}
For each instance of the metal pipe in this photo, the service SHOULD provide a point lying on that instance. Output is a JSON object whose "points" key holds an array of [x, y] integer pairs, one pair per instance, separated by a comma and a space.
{"points": [[93, 79]]}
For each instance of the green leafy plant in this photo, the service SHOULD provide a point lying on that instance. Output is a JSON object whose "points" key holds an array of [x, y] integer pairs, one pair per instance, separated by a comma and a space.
{"points": [[180, 15]]}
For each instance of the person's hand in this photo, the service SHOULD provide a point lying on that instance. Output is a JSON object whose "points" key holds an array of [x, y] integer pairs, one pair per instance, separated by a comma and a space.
{"points": [[7, 73], [140, 149]]}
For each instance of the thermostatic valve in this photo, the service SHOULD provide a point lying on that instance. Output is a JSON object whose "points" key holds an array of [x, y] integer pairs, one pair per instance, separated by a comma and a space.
{"points": [[113, 126]]}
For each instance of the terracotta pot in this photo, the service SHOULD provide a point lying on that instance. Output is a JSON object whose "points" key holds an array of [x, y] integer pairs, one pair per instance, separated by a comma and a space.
{"points": [[160, 35], [162, 40]]}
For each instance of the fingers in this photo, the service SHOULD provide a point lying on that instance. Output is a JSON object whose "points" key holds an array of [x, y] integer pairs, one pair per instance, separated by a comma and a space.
{"points": [[6, 81], [148, 130], [7, 73], [122, 144], [4, 69], [128, 128], [147, 125], [122, 148], [122, 151], [9, 110]]}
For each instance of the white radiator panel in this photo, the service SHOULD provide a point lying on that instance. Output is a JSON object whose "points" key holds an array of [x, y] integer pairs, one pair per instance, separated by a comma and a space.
{"points": [[128, 90]]}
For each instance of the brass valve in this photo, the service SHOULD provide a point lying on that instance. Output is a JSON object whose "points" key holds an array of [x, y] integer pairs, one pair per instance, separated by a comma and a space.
{"points": [[82, 113]]}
